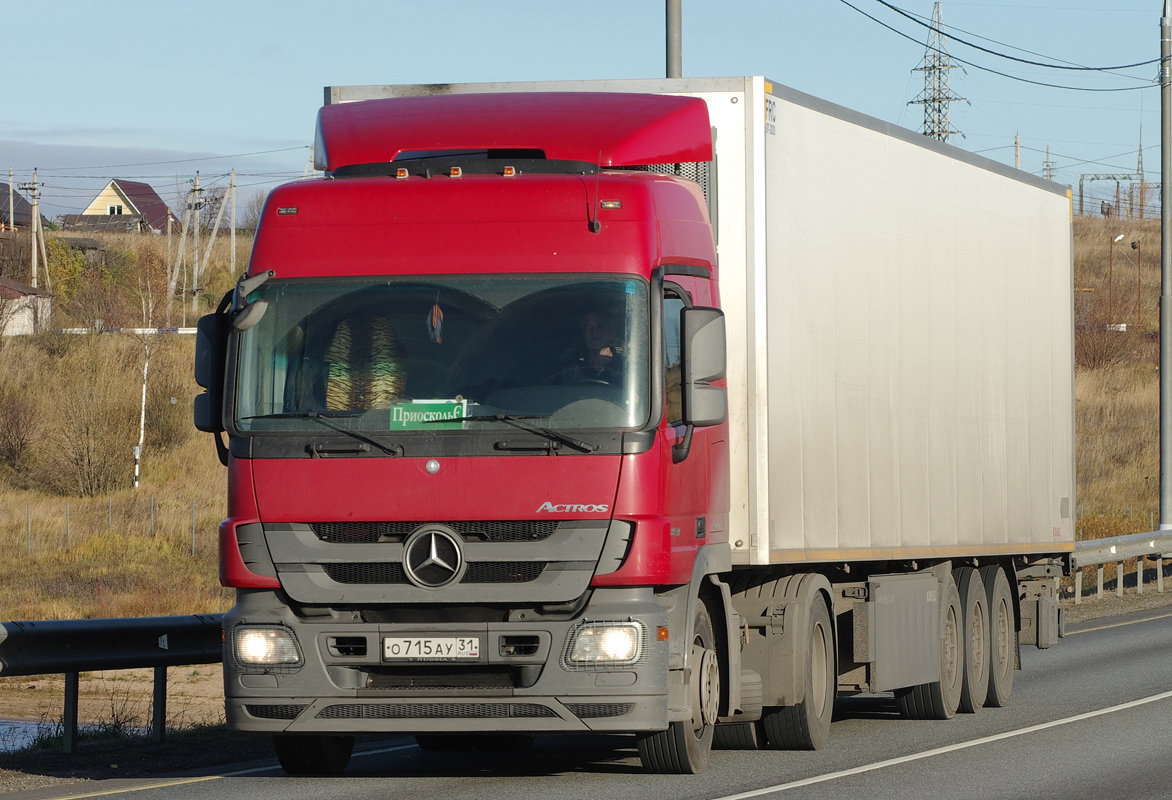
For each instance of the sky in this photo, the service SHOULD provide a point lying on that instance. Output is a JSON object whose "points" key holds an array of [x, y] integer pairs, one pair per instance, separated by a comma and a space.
{"points": [[155, 90]]}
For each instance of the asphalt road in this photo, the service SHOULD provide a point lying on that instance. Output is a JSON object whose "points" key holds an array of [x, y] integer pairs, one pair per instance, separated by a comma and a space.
{"points": [[1090, 718]]}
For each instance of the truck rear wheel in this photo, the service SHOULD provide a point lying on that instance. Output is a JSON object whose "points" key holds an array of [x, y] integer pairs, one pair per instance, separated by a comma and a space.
{"points": [[806, 726], [684, 747], [940, 699], [1003, 630], [314, 755], [975, 603]]}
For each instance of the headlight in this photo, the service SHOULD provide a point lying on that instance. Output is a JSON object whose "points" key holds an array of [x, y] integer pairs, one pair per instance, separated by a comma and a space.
{"points": [[606, 643], [268, 646]]}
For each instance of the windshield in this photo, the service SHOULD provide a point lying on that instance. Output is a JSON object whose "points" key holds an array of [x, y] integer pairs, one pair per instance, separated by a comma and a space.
{"points": [[446, 353]]}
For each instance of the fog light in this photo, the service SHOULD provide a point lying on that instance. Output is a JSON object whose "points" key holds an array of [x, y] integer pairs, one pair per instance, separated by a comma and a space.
{"points": [[268, 646], [606, 644]]}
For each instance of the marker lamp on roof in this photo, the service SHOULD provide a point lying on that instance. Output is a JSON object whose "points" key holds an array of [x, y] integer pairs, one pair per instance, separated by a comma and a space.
{"points": [[401, 173], [510, 172], [611, 204], [456, 172]]}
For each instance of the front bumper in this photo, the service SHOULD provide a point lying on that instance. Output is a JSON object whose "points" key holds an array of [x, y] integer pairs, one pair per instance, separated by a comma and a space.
{"points": [[521, 682]]}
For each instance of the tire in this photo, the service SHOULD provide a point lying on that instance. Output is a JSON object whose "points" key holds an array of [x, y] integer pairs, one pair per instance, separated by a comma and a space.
{"points": [[683, 748], [806, 726], [940, 699], [975, 604], [1003, 636], [744, 735], [314, 755]]}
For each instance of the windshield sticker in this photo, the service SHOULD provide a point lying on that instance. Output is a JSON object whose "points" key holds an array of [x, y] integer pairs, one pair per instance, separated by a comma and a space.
{"points": [[428, 414]]}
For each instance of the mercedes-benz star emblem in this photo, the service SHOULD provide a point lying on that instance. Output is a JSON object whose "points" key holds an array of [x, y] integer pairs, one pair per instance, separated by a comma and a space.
{"points": [[432, 558]]}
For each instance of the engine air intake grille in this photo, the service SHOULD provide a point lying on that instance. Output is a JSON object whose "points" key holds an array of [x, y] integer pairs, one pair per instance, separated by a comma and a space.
{"points": [[275, 712], [434, 711], [392, 572], [597, 710], [490, 531]]}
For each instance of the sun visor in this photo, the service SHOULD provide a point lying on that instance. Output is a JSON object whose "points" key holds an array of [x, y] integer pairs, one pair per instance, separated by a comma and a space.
{"points": [[608, 129]]}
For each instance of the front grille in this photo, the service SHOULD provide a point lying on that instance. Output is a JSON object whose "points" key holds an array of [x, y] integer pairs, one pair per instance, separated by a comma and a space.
{"points": [[379, 572], [597, 710], [503, 572], [490, 531], [275, 712], [434, 711], [392, 572], [440, 677]]}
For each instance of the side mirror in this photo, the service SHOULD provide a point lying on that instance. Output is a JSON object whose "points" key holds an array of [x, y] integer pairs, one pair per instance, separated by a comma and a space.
{"points": [[211, 352], [703, 339]]}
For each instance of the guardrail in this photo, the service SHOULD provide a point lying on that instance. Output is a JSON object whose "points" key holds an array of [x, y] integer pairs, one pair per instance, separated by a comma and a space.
{"points": [[70, 647], [1155, 545]]}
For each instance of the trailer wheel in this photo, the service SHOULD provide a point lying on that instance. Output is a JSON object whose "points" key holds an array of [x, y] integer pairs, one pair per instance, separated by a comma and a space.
{"points": [[940, 699], [975, 621], [684, 747], [1003, 630], [314, 755], [806, 726]]}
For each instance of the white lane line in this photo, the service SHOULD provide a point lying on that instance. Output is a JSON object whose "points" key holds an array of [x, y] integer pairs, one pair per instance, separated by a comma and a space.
{"points": [[952, 748], [1117, 624], [205, 778], [357, 754]]}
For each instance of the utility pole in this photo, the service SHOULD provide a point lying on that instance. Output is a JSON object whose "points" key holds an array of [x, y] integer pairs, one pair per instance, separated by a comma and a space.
{"points": [[1139, 170], [232, 189], [1166, 267], [1017, 153], [33, 225], [195, 246], [1048, 166], [675, 36], [936, 95], [11, 208]]}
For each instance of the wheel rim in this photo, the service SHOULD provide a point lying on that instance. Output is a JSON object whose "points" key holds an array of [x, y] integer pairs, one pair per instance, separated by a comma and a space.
{"points": [[1002, 623], [706, 694], [977, 644], [950, 647], [818, 664]]}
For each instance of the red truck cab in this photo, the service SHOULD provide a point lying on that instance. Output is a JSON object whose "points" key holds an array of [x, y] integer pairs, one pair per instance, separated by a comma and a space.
{"points": [[478, 466]]}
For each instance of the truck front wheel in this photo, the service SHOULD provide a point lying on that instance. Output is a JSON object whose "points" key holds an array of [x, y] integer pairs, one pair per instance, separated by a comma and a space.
{"points": [[684, 747], [314, 755]]}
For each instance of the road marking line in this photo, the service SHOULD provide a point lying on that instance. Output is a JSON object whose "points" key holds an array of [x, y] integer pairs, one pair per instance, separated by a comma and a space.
{"points": [[160, 785], [205, 778], [891, 762], [1117, 624]]}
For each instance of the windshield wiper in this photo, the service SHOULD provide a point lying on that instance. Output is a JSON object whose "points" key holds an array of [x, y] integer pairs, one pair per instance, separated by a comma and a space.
{"points": [[324, 419], [519, 422]]}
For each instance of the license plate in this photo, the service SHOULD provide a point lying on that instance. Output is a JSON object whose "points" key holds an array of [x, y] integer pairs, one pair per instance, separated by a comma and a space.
{"points": [[412, 648]]}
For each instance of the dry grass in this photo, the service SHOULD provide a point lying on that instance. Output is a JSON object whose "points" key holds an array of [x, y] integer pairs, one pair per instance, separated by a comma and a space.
{"points": [[109, 563]]}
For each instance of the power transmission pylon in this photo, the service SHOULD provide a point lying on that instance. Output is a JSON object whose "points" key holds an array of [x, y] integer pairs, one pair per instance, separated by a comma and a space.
{"points": [[936, 95]]}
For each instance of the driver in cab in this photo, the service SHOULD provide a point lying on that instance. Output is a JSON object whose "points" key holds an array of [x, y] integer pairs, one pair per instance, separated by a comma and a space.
{"points": [[600, 359]]}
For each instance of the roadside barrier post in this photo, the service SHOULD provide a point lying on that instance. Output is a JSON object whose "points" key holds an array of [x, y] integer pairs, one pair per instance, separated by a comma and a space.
{"points": [[69, 718], [159, 717]]}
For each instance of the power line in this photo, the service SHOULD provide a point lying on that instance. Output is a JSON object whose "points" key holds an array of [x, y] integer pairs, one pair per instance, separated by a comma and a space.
{"points": [[181, 160], [997, 72], [932, 27]]}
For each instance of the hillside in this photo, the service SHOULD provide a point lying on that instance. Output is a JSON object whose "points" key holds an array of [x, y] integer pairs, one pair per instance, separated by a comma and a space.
{"points": [[78, 540]]}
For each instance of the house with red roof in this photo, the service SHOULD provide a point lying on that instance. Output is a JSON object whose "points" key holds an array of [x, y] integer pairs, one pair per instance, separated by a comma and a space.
{"points": [[123, 206]]}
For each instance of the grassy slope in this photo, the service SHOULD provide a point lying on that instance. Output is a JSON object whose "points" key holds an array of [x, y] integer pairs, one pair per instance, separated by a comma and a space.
{"points": [[125, 569]]}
